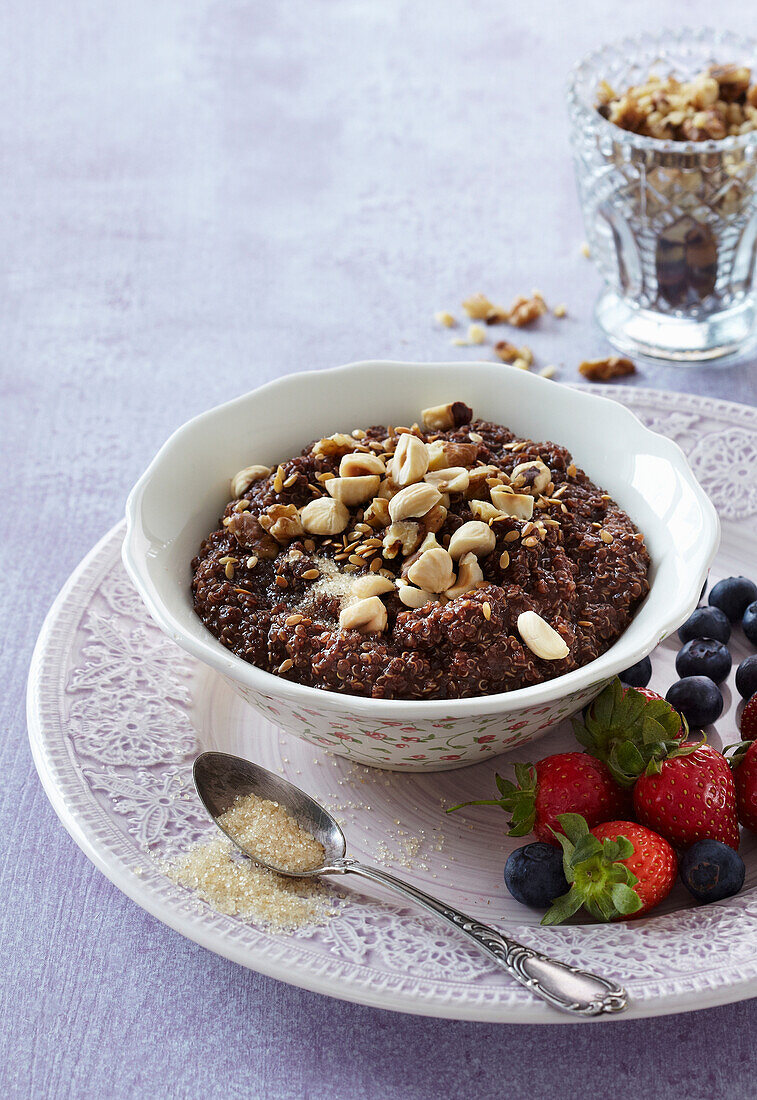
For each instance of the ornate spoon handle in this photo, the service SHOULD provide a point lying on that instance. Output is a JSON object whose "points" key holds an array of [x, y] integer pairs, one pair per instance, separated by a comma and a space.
{"points": [[563, 986]]}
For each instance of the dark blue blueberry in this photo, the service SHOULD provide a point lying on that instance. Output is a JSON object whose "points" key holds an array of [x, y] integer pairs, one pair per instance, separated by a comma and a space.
{"points": [[746, 677], [534, 875], [749, 622], [710, 870], [704, 657], [638, 675], [733, 596], [698, 699], [706, 622]]}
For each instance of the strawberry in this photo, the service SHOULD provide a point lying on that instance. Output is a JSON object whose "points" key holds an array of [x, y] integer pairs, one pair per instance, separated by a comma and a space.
{"points": [[749, 720], [744, 765], [689, 795], [566, 782], [616, 870], [626, 728]]}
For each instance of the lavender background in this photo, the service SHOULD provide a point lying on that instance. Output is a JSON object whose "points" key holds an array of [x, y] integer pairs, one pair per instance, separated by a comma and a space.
{"points": [[197, 196]]}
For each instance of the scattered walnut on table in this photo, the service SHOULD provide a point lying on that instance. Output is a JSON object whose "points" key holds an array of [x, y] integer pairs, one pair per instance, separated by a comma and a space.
{"points": [[603, 370], [524, 311]]}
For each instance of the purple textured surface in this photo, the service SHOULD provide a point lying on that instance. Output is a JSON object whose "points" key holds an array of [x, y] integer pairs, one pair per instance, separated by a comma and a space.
{"points": [[197, 197]]}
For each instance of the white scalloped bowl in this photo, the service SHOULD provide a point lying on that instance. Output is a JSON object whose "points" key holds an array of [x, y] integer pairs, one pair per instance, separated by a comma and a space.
{"points": [[184, 490]]}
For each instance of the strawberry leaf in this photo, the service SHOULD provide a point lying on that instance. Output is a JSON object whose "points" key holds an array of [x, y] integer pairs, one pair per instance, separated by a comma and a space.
{"points": [[625, 900], [599, 881]]}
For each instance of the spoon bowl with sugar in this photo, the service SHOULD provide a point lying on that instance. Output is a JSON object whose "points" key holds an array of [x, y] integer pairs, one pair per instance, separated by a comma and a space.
{"points": [[282, 828]]}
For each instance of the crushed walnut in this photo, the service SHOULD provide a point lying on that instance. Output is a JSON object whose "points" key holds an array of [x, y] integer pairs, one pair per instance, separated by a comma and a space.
{"points": [[523, 311], [603, 370], [720, 102]]}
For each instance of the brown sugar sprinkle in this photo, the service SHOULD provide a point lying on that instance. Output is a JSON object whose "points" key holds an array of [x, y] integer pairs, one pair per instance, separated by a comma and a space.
{"points": [[486, 607], [603, 370], [238, 887], [311, 574]]}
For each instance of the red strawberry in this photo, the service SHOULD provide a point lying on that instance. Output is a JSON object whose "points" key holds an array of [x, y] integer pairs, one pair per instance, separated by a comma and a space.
{"points": [[744, 764], [749, 720], [689, 796], [616, 870], [567, 782], [626, 728]]}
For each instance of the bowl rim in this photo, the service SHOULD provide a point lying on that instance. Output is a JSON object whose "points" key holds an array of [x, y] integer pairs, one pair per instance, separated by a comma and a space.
{"points": [[211, 652]]}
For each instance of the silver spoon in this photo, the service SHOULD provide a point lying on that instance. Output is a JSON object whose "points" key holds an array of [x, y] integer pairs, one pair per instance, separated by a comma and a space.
{"points": [[220, 779]]}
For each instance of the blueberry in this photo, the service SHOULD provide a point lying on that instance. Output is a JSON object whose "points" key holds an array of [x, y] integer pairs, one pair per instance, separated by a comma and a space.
{"points": [[733, 596], [746, 677], [749, 622], [534, 875], [706, 622], [698, 699], [704, 657], [638, 675], [710, 870]]}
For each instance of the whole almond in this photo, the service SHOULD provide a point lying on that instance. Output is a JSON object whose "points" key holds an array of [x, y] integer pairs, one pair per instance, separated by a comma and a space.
{"points": [[353, 490], [542, 639], [474, 537], [519, 505], [413, 500], [324, 517], [410, 460], [242, 480]]}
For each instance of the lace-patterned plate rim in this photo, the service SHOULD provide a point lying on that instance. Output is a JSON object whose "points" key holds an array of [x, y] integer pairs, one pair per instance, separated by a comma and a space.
{"points": [[121, 861]]}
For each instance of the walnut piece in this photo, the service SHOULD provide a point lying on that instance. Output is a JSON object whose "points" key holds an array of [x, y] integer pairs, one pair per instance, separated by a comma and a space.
{"points": [[602, 370], [712, 105], [524, 311], [283, 522], [250, 535]]}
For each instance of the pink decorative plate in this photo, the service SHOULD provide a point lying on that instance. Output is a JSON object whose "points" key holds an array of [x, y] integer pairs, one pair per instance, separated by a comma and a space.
{"points": [[117, 713]]}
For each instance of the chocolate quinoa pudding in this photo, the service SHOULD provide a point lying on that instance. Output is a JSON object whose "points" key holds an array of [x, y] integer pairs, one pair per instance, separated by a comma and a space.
{"points": [[442, 561]]}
